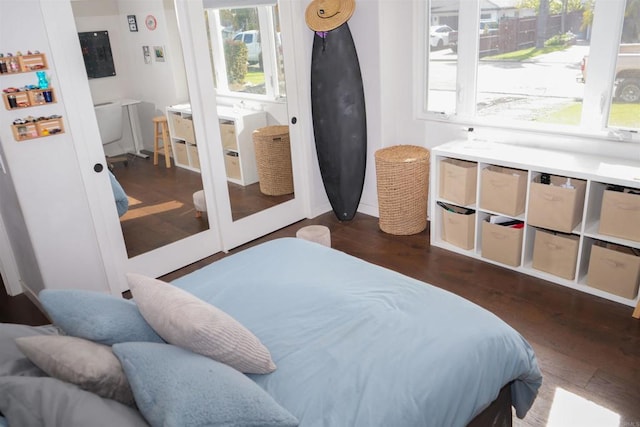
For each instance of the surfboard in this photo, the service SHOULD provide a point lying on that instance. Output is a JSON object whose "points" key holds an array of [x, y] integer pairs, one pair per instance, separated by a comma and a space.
{"points": [[339, 119]]}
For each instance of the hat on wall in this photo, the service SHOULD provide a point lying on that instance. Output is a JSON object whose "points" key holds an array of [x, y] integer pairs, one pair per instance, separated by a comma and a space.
{"points": [[327, 15]]}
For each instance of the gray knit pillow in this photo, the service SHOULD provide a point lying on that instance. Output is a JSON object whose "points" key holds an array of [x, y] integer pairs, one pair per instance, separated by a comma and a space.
{"points": [[89, 365], [184, 320]]}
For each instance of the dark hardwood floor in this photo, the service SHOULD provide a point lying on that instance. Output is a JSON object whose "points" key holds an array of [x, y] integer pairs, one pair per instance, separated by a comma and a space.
{"points": [[587, 347], [161, 209]]}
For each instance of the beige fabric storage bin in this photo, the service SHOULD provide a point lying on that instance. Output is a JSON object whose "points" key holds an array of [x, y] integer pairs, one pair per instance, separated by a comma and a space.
{"points": [[193, 154], [503, 190], [402, 180], [458, 179], [554, 207], [183, 128], [228, 135], [556, 254], [502, 243], [232, 165], [614, 269], [458, 228], [180, 153], [620, 215]]}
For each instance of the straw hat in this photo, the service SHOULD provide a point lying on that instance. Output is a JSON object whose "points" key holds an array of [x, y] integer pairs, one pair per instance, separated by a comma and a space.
{"points": [[327, 15]]}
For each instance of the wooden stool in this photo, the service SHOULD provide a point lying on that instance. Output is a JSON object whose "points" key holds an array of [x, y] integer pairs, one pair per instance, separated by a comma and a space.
{"points": [[160, 130]]}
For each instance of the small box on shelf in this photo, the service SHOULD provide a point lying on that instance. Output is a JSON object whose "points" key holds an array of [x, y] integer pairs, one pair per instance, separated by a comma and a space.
{"points": [[232, 164], [19, 63], [556, 205], [620, 213], [183, 128], [193, 155], [13, 100], [28, 98], [458, 180], [458, 225], [614, 269], [33, 62], [502, 242], [503, 190], [180, 153], [37, 129], [555, 253], [228, 135]]}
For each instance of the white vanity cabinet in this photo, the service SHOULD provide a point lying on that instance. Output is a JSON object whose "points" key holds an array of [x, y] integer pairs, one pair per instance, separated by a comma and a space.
{"points": [[586, 178]]}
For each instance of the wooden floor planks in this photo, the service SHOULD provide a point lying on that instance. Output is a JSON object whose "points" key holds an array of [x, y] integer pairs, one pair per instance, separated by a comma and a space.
{"points": [[585, 345]]}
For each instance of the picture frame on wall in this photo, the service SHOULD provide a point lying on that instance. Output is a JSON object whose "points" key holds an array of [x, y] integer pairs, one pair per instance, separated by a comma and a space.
{"points": [[159, 53], [97, 55], [133, 24]]}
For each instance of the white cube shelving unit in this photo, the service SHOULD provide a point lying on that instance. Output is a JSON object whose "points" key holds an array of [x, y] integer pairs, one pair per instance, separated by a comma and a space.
{"points": [[598, 172]]}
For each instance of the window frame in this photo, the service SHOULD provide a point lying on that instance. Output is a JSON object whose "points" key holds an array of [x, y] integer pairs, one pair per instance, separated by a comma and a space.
{"points": [[268, 45], [604, 47]]}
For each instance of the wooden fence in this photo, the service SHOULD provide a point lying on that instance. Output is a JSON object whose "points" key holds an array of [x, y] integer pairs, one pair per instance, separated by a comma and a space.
{"points": [[520, 33]]}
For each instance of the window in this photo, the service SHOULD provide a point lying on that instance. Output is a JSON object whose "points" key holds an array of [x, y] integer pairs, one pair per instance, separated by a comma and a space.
{"points": [[246, 53], [526, 64]]}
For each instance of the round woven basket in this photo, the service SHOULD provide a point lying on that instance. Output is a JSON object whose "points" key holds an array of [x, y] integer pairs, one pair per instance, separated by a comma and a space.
{"points": [[402, 174], [273, 160]]}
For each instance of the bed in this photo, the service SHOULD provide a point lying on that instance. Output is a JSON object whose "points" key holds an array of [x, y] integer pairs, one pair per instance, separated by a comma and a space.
{"points": [[119, 195], [353, 344]]}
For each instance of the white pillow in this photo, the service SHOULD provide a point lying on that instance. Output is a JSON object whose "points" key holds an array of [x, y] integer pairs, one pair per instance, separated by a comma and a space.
{"points": [[90, 366], [184, 320]]}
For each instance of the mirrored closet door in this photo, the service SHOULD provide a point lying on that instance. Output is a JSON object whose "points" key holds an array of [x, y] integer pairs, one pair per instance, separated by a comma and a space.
{"points": [[244, 110]]}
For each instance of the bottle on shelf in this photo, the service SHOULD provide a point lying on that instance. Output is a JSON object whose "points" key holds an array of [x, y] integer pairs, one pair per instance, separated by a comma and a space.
{"points": [[3, 64], [14, 67]]}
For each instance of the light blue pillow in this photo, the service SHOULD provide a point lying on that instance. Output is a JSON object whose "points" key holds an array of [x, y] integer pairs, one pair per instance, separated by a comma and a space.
{"points": [[176, 387], [3, 422], [103, 318]]}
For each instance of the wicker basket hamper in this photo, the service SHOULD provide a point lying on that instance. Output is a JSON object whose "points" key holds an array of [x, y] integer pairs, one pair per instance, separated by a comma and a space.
{"points": [[273, 160], [402, 174]]}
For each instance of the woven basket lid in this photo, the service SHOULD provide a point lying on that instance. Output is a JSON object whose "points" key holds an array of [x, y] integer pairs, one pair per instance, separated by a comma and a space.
{"points": [[402, 153], [271, 130]]}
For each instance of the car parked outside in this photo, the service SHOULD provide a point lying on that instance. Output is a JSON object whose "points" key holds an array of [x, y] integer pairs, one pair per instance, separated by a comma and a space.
{"points": [[627, 82], [252, 40], [439, 36]]}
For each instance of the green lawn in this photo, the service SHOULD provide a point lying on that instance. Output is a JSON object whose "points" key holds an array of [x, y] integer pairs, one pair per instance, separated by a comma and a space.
{"points": [[524, 54], [255, 77], [622, 115]]}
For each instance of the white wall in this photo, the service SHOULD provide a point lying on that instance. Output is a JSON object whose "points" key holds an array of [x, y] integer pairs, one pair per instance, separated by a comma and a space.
{"points": [[44, 205], [156, 84]]}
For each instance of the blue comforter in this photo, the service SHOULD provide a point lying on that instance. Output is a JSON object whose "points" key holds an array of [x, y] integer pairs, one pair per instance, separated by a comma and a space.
{"points": [[122, 201], [360, 345]]}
